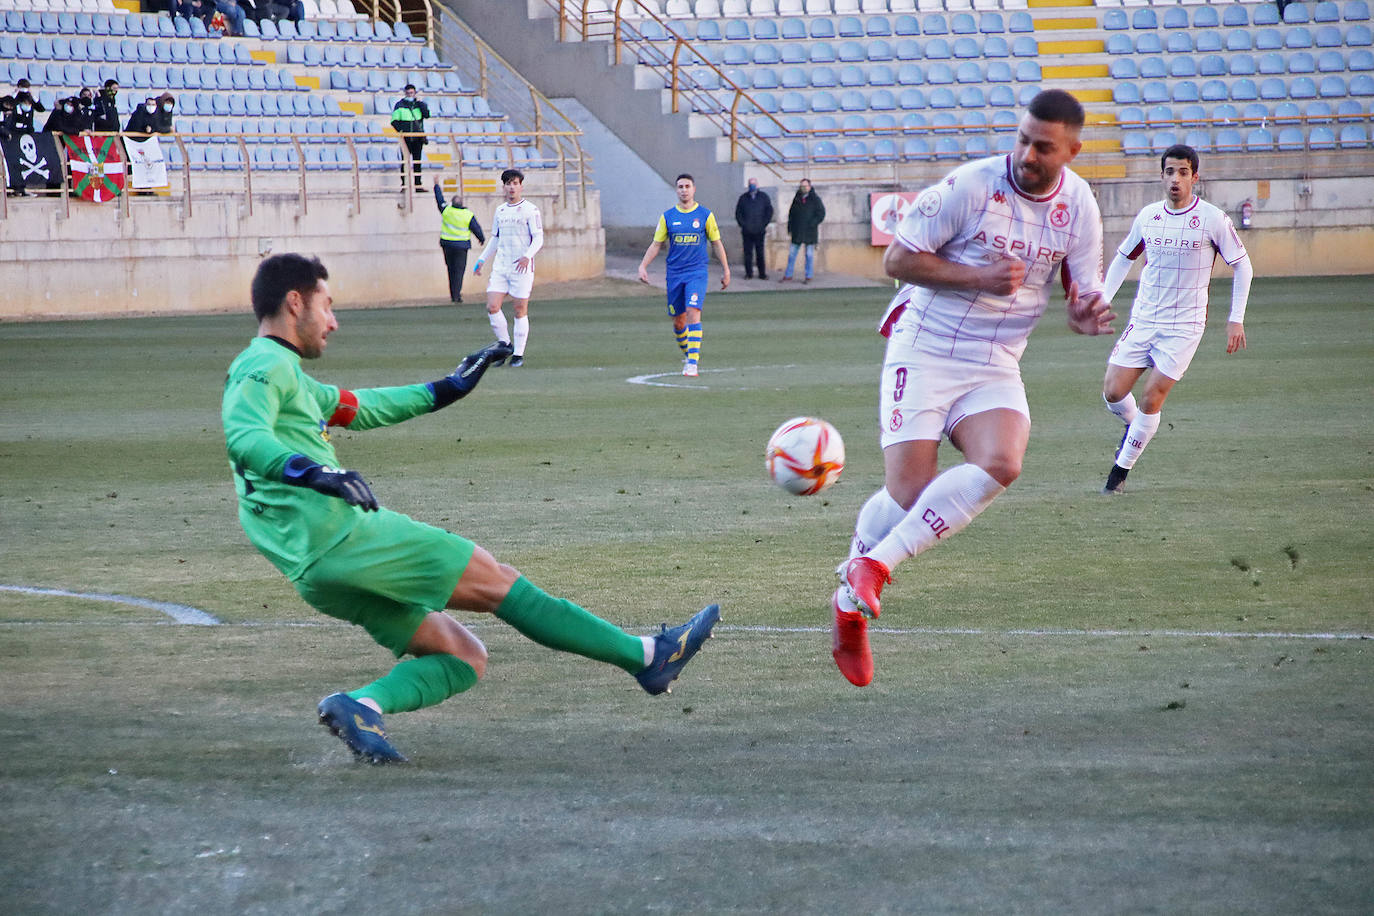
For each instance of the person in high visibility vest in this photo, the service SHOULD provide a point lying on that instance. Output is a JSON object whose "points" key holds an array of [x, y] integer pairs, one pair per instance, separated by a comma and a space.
{"points": [[455, 238]]}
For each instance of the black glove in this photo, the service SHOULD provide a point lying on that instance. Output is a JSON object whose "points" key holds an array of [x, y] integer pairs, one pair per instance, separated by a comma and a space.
{"points": [[346, 485], [462, 380]]}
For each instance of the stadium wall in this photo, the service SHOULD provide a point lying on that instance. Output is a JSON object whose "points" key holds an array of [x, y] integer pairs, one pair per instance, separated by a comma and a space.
{"points": [[1300, 227], [96, 262]]}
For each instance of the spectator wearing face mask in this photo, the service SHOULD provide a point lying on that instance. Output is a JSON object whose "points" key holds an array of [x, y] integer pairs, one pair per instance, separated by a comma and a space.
{"points": [[64, 119], [162, 118], [21, 122], [85, 109], [105, 111], [141, 121]]}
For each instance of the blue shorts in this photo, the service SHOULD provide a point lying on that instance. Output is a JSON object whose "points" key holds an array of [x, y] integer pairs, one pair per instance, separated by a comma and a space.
{"points": [[686, 293]]}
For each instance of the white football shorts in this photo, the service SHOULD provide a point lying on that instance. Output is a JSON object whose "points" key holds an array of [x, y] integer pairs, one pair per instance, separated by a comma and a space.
{"points": [[924, 396], [1168, 350], [506, 280]]}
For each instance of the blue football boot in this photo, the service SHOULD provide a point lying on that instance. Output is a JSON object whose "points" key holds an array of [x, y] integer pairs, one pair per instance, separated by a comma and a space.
{"points": [[359, 727], [674, 648]]}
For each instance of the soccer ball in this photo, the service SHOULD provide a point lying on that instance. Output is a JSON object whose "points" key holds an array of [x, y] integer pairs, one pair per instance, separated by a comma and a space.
{"points": [[805, 455]]}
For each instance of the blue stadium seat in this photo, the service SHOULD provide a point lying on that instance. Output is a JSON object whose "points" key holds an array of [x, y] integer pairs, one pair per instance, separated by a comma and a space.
{"points": [[1182, 66], [1265, 14], [934, 24], [1208, 41], [880, 50], [790, 30], [915, 149], [1362, 84], [999, 71], [882, 100], [851, 52], [1028, 71], [1199, 140], [1179, 43], [820, 77], [882, 75], [851, 100], [990, 23], [1349, 110], [1144, 18], [1025, 46], [766, 30], [1318, 112], [1114, 20], [906, 25], [1159, 115], [1361, 60], [1271, 63], [849, 27], [948, 148], [1303, 87], [1298, 37], [910, 99], [1358, 36], [1001, 97], [963, 24], [965, 48], [1321, 138], [1244, 90], [943, 97], [708, 30], [1259, 140], [1302, 62], [1332, 87], [996, 46], [975, 122], [1126, 94], [1162, 140], [1295, 14], [1268, 40], [1225, 113], [1120, 43], [968, 72], [1003, 120], [1239, 40], [884, 123], [938, 49], [939, 74], [822, 28], [825, 151], [877, 27], [1205, 17], [1287, 112], [1185, 91], [765, 78], [1228, 140], [1193, 115], [852, 76], [1255, 113], [884, 151], [972, 97], [1153, 68], [1355, 10], [1020, 21], [855, 151], [1175, 17], [908, 49], [911, 75]]}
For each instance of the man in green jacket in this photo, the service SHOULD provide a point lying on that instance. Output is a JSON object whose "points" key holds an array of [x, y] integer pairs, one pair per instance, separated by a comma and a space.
{"points": [[408, 119], [455, 238], [352, 559]]}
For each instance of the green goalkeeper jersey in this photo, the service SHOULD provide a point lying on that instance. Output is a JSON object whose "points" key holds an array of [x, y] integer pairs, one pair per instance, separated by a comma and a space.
{"points": [[272, 410]]}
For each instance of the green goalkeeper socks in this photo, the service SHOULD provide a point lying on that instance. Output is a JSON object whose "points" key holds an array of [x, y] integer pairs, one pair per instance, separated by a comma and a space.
{"points": [[560, 624], [419, 682]]}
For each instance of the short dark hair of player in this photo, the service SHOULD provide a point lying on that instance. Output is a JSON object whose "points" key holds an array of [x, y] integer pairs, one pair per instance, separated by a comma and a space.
{"points": [[408, 87], [1058, 107], [1180, 151], [279, 275], [511, 174], [682, 176]]}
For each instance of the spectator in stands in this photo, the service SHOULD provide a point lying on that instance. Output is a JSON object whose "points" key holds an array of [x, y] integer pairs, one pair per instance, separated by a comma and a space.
{"points": [[141, 121], [232, 12], [455, 238], [64, 119], [804, 219], [408, 117], [21, 121], [22, 87], [162, 118], [282, 9], [192, 9], [105, 111], [16, 188], [85, 109], [753, 212]]}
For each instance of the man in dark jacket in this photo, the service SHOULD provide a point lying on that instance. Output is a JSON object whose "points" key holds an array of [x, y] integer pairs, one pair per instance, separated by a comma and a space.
{"points": [[455, 238], [64, 119], [408, 117], [141, 121], [804, 219], [106, 111], [753, 212]]}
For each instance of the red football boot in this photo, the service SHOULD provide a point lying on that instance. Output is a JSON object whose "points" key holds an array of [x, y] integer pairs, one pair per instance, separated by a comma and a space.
{"points": [[864, 578], [850, 648]]}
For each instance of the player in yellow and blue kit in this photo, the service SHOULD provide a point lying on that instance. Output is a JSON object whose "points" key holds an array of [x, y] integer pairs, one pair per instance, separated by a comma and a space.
{"points": [[690, 231], [352, 559]]}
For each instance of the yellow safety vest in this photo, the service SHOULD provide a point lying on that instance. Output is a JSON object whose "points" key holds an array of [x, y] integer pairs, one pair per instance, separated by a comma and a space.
{"points": [[456, 222]]}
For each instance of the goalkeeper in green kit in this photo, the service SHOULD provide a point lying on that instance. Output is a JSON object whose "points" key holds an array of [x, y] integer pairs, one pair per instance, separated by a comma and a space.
{"points": [[354, 560]]}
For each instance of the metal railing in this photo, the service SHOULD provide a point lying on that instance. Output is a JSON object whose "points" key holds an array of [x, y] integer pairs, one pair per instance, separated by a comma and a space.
{"points": [[360, 178]]}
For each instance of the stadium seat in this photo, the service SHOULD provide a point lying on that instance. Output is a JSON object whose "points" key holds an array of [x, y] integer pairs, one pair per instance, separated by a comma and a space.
{"points": [[1259, 140], [1287, 112], [1295, 14], [1025, 46], [1359, 36], [1327, 36], [882, 100], [1361, 60], [1268, 40], [1303, 87], [1318, 112], [1265, 14], [1020, 21], [1298, 37], [1355, 10], [937, 49], [1207, 42], [948, 148], [1144, 18], [1243, 65], [1199, 140], [1114, 20], [916, 149], [1244, 90], [1254, 113], [1120, 43], [911, 99], [934, 24], [968, 72], [881, 75], [999, 71], [942, 97], [1239, 40], [1228, 140], [907, 49], [1301, 62], [939, 74], [1153, 68], [1270, 63], [1212, 65], [1321, 138], [1225, 113], [1362, 84], [906, 25], [1001, 97]]}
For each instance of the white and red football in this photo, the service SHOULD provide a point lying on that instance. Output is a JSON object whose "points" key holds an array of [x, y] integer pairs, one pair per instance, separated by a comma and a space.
{"points": [[805, 455]]}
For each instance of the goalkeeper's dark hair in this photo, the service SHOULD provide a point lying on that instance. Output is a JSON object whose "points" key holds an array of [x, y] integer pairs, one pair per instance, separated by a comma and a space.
{"points": [[1180, 151], [1056, 106], [279, 275]]}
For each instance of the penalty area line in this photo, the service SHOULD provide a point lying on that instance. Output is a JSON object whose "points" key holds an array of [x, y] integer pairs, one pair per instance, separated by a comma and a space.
{"points": [[181, 613], [651, 379]]}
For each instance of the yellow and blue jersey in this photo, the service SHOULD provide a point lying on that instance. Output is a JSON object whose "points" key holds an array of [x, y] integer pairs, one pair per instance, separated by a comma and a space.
{"points": [[689, 234]]}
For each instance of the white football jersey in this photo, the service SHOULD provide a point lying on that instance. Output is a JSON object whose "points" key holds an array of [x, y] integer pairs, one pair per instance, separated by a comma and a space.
{"points": [[517, 232], [1179, 249], [977, 215]]}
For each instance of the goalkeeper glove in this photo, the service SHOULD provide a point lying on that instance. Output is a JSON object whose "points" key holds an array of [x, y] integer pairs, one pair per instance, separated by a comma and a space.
{"points": [[346, 485], [457, 384]]}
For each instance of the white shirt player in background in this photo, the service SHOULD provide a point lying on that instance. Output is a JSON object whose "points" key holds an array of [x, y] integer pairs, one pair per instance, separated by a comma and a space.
{"points": [[517, 235], [979, 253], [1180, 237]]}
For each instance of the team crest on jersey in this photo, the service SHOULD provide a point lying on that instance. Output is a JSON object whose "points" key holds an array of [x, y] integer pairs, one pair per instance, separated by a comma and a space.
{"points": [[999, 197], [895, 423], [929, 203], [1059, 216], [324, 430], [1159, 216], [696, 224], [1194, 222]]}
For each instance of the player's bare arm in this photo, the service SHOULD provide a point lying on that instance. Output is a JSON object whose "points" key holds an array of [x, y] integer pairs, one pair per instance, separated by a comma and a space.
{"points": [[1235, 336], [1002, 277], [724, 263], [649, 256], [1090, 314]]}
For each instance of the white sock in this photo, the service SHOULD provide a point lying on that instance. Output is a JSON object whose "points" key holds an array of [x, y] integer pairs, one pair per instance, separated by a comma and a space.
{"points": [[1142, 430], [497, 319], [945, 507], [1124, 408], [648, 650], [876, 520], [522, 334]]}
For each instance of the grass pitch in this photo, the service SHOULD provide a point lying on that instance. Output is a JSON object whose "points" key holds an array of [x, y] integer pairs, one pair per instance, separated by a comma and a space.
{"points": [[1083, 704]]}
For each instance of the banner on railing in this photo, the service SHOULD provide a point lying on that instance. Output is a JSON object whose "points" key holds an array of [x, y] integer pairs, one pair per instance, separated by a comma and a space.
{"points": [[96, 166], [147, 167], [887, 209], [31, 161]]}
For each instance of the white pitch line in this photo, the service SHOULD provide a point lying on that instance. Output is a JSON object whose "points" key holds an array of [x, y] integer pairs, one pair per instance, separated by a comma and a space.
{"points": [[649, 378], [181, 613]]}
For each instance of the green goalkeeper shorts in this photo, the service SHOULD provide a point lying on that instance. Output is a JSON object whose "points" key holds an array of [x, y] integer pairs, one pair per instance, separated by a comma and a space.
{"points": [[387, 575]]}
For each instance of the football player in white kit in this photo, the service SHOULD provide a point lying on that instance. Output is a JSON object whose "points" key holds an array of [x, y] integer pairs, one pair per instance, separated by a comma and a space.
{"points": [[978, 254], [516, 237], [1180, 237]]}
